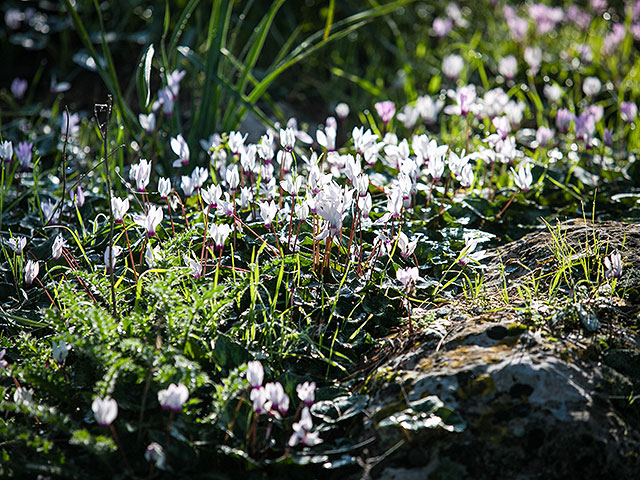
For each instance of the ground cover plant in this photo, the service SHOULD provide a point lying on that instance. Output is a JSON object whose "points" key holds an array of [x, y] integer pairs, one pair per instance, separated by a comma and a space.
{"points": [[196, 283]]}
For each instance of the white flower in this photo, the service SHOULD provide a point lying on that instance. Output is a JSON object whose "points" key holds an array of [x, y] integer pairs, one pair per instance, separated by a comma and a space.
{"points": [[533, 57], [277, 400], [236, 142], [268, 212], [199, 176], [508, 66], [17, 244], [342, 110], [194, 266], [120, 208], [60, 350], [233, 177], [212, 195], [181, 149], [302, 433], [147, 122], [255, 374], [408, 276], [327, 139], [287, 139], [406, 247], [151, 220], [56, 249], [31, 270], [523, 178], [553, 92], [466, 176], [452, 65], [469, 253], [151, 255], [465, 98], [186, 183], [259, 398], [306, 392], [164, 187], [174, 397], [219, 234], [6, 151], [105, 410], [613, 265], [140, 174], [155, 454], [591, 86], [363, 140]]}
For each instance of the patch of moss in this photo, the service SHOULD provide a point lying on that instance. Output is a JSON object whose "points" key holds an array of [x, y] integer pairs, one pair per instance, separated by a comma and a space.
{"points": [[477, 387]]}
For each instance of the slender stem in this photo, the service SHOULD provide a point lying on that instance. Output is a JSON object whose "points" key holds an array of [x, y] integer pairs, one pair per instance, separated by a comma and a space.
{"points": [[173, 230], [507, 205], [133, 263]]}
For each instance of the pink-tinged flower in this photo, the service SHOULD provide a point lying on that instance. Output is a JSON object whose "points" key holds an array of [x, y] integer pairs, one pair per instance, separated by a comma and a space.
{"points": [[140, 173], [194, 266], [268, 212], [452, 65], [259, 399], [545, 17], [386, 110], [517, 26], [581, 18], [613, 39], [306, 393], [544, 135], [585, 126], [3, 362], [564, 118], [6, 151], [277, 400], [155, 454], [219, 234], [441, 26], [165, 100], [302, 431], [164, 188], [255, 374], [31, 270], [77, 197], [151, 220], [469, 253], [465, 98], [18, 88], [174, 397], [120, 208], [533, 57], [406, 247], [105, 410], [180, 148], [24, 154], [408, 276], [173, 83], [613, 265], [628, 111]]}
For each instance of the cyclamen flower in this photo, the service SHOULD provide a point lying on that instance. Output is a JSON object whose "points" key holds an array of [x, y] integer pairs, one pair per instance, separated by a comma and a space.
{"points": [[24, 154], [31, 270], [386, 110], [174, 397], [164, 188], [277, 400], [452, 65], [441, 26], [469, 253], [3, 362], [258, 397], [553, 92], [151, 220], [77, 197], [17, 244], [591, 86], [302, 431], [219, 234], [406, 247], [23, 396], [155, 454], [544, 135], [564, 118], [194, 266], [327, 139], [268, 212], [18, 88], [232, 177], [180, 148], [408, 276], [140, 173], [105, 410], [255, 374], [533, 57], [56, 249], [613, 265], [523, 177], [306, 392], [119, 208], [70, 123], [147, 122], [465, 98], [628, 111], [236, 142], [6, 151]]}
